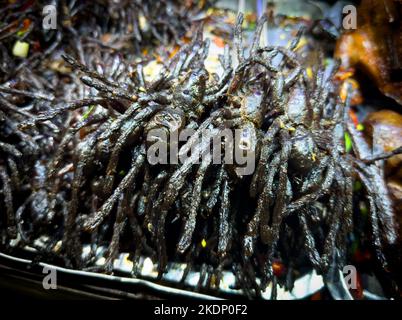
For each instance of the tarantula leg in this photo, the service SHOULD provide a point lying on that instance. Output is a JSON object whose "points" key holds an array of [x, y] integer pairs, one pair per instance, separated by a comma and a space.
{"points": [[253, 225], [196, 59], [218, 272], [345, 181], [220, 90], [116, 125], [210, 280], [8, 106], [226, 63], [142, 198], [330, 240], [113, 92], [237, 79], [203, 276], [213, 198], [141, 76], [309, 241], [186, 53], [224, 230], [183, 56], [185, 199], [277, 94], [375, 225], [292, 77], [257, 35], [296, 40], [274, 293], [10, 149], [267, 148], [314, 178], [290, 58], [138, 234], [189, 257], [238, 38], [19, 222], [75, 64], [170, 193], [290, 55], [14, 175], [327, 89], [267, 195], [8, 200], [153, 191], [190, 223], [133, 127], [313, 196], [118, 227], [265, 64], [383, 156], [69, 135], [381, 194], [94, 239], [57, 159], [72, 105], [195, 137], [35, 95], [32, 144], [248, 281], [319, 79], [262, 211], [109, 179], [377, 189], [95, 220], [269, 235], [86, 155]]}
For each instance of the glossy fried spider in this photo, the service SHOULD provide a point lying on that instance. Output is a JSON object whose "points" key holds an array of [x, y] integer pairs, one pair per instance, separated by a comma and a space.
{"points": [[304, 171], [246, 111]]}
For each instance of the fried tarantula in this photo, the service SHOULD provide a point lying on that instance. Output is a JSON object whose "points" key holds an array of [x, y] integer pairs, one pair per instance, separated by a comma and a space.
{"points": [[99, 188]]}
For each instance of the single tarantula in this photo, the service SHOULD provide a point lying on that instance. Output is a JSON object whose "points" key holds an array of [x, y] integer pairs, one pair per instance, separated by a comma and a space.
{"points": [[246, 111], [304, 171]]}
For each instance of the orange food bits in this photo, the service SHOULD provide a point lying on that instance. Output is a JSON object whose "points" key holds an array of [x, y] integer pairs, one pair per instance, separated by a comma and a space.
{"points": [[219, 42], [353, 116], [278, 268], [356, 96], [174, 51], [26, 23]]}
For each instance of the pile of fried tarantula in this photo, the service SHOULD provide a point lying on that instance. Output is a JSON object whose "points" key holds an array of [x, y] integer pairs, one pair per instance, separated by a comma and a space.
{"points": [[74, 170]]}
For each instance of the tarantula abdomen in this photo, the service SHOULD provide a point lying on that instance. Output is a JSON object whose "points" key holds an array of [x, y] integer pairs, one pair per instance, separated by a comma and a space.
{"points": [[304, 151]]}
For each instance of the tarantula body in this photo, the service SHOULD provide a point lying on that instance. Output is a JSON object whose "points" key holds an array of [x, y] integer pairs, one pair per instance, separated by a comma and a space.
{"points": [[171, 102], [303, 167], [298, 175]]}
